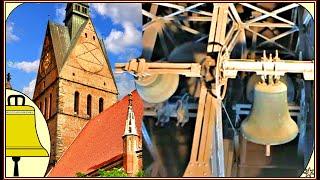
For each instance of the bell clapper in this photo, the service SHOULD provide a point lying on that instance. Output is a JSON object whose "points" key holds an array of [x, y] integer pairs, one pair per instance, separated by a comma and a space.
{"points": [[268, 150], [16, 167]]}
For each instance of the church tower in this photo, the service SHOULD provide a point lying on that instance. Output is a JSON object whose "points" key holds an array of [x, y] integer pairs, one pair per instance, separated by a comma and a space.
{"points": [[74, 81], [76, 15], [130, 143]]}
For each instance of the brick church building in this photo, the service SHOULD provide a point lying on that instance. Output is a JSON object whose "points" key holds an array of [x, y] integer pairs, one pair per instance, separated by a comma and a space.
{"points": [[75, 82], [111, 139]]}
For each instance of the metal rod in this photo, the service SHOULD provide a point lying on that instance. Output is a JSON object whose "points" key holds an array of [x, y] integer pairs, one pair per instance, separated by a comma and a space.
{"points": [[231, 67], [268, 150]]}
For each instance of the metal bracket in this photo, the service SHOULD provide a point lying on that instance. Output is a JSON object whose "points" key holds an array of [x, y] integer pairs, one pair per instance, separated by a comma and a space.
{"points": [[230, 67]]}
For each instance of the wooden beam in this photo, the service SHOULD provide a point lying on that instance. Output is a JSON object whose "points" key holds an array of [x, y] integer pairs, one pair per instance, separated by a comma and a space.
{"points": [[213, 27], [229, 36], [148, 41], [218, 141], [228, 156], [141, 68], [233, 41], [187, 18], [188, 29], [184, 9], [169, 35], [221, 26], [291, 31], [148, 14], [200, 12], [199, 164], [163, 42], [243, 150], [254, 44], [268, 14], [268, 39], [154, 9], [293, 19], [171, 5], [235, 13], [198, 126], [271, 25]]}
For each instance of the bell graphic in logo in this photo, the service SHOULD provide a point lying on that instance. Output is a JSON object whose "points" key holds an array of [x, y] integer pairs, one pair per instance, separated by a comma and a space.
{"points": [[27, 137]]}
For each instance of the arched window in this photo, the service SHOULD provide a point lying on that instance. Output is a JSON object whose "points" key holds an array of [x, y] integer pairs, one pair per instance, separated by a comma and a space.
{"points": [[45, 108], [77, 7], [89, 98], [76, 102], [84, 10], [100, 105], [50, 104], [40, 107]]}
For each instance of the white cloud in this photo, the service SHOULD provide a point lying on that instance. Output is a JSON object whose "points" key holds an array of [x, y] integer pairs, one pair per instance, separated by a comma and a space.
{"points": [[117, 41], [28, 90], [60, 13], [10, 36], [27, 66], [120, 12], [125, 84], [123, 43], [129, 54]]}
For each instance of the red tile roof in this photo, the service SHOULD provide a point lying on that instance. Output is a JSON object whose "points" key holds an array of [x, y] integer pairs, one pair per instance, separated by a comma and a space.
{"points": [[99, 141]]}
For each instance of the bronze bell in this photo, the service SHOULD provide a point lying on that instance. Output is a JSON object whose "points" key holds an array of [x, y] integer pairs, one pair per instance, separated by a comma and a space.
{"points": [[269, 122]]}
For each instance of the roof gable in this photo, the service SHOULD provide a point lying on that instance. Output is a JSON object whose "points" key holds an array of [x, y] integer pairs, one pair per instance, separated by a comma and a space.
{"points": [[86, 56], [99, 141], [61, 42], [108, 63]]}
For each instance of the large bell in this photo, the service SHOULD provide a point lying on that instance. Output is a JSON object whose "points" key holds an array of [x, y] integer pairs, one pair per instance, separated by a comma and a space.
{"points": [[157, 88], [21, 134], [269, 122]]}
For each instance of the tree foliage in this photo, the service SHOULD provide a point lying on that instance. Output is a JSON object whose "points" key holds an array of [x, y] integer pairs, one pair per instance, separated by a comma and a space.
{"points": [[114, 172], [81, 174], [140, 173]]}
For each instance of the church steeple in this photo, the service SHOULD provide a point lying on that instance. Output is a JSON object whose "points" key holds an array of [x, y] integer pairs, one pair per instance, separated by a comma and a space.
{"points": [[76, 15], [130, 128], [8, 84], [130, 143]]}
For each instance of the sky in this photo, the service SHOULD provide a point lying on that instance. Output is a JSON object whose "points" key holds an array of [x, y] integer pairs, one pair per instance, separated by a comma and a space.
{"points": [[118, 24]]}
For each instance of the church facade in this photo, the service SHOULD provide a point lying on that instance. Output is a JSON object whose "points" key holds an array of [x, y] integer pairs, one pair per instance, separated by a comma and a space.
{"points": [[74, 81]]}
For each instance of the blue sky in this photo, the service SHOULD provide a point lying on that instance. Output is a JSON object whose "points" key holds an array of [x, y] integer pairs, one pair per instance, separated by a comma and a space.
{"points": [[119, 24]]}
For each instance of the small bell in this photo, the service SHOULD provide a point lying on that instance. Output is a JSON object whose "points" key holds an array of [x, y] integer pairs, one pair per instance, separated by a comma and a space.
{"points": [[157, 88]]}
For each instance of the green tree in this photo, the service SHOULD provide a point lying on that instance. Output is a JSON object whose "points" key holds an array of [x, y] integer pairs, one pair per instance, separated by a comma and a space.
{"points": [[114, 172], [140, 173], [81, 174]]}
